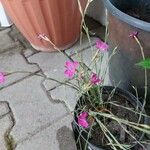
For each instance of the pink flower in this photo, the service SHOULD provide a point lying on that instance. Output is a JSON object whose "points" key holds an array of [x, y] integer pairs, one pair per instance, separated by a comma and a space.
{"points": [[2, 78], [95, 79], [71, 68], [102, 46], [133, 34], [82, 120]]}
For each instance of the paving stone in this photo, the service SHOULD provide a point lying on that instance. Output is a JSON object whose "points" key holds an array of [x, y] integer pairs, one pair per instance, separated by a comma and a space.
{"points": [[66, 94], [17, 36], [52, 65], [12, 61], [5, 124], [50, 84], [28, 52], [58, 136], [31, 107], [6, 41], [4, 109], [81, 45]]}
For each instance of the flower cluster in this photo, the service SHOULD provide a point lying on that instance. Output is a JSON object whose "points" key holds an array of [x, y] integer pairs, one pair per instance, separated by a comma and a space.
{"points": [[71, 70]]}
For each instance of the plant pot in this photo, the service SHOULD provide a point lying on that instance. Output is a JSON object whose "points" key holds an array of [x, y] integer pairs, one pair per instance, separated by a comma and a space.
{"points": [[130, 98], [123, 20], [59, 20]]}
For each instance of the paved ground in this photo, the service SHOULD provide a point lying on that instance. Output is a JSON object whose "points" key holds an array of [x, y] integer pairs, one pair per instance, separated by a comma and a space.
{"points": [[35, 112]]}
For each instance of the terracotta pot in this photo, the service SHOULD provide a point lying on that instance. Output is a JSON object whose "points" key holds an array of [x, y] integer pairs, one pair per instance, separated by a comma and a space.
{"points": [[59, 20]]}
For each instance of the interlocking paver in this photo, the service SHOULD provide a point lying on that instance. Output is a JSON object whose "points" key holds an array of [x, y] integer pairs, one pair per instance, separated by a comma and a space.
{"points": [[58, 136], [31, 107], [66, 94], [81, 45], [5, 124], [28, 52], [6, 40], [12, 61], [4, 109], [17, 36]]}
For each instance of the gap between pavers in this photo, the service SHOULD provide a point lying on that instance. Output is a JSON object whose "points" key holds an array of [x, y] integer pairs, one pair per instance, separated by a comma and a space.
{"points": [[5, 124]]}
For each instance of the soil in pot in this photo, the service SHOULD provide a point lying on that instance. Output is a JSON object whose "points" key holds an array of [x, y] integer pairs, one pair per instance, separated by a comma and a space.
{"points": [[139, 9], [97, 136], [140, 13]]}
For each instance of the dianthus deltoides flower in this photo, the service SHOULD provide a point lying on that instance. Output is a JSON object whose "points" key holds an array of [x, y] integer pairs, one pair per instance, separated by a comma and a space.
{"points": [[95, 79], [82, 120], [133, 34], [102, 46], [2, 78], [71, 68]]}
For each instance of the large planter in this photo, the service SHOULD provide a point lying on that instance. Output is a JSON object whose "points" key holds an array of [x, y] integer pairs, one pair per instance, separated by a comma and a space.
{"points": [[59, 20], [81, 135], [125, 18]]}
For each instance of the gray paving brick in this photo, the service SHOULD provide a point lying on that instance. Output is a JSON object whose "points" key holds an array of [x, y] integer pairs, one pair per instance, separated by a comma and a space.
{"points": [[12, 61], [31, 107], [5, 124], [5, 40], [59, 136], [4, 109]]}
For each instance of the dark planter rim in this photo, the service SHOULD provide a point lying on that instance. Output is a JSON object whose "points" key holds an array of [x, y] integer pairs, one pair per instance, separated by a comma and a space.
{"points": [[126, 18], [131, 98]]}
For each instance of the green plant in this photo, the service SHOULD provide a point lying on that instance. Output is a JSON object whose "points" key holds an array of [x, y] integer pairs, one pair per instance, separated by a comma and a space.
{"points": [[145, 63]]}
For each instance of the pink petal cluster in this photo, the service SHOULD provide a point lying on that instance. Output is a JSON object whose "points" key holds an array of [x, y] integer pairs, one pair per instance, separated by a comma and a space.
{"points": [[71, 68], [133, 34], [2, 78], [82, 120], [102, 46], [95, 79]]}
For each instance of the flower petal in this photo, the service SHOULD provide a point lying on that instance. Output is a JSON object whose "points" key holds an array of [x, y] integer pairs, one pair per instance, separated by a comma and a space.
{"points": [[82, 119], [83, 115], [102, 45], [83, 123], [71, 68], [2, 78], [133, 34]]}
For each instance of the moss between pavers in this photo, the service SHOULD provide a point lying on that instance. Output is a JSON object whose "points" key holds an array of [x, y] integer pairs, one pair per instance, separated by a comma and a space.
{"points": [[9, 141]]}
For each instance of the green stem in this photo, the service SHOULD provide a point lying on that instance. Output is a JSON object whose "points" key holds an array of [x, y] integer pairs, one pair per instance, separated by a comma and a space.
{"points": [[145, 76]]}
